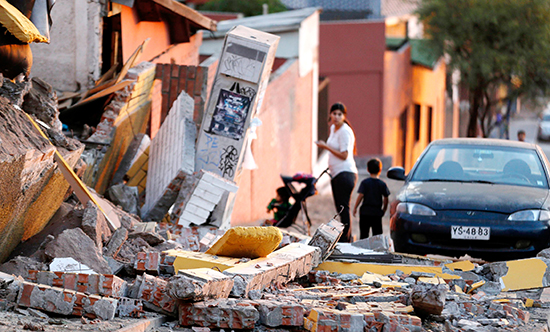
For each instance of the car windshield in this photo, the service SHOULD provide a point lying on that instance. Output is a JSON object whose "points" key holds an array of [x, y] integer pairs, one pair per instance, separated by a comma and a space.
{"points": [[546, 117], [484, 164]]}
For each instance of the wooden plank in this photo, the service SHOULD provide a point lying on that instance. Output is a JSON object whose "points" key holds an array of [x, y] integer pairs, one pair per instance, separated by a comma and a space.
{"points": [[188, 13], [132, 60], [107, 91]]}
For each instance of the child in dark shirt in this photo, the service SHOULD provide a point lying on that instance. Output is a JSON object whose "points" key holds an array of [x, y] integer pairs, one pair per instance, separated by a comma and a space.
{"points": [[280, 205], [374, 193]]}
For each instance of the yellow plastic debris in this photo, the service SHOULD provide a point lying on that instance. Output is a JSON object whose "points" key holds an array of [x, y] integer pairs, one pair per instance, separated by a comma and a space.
{"points": [[194, 260], [19, 25], [529, 303], [384, 269], [369, 278], [250, 242], [461, 266], [476, 285], [432, 280], [524, 274]]}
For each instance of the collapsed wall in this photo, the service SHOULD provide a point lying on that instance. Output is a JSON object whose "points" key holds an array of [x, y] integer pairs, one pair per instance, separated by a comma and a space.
{"points": [[26, 160]]}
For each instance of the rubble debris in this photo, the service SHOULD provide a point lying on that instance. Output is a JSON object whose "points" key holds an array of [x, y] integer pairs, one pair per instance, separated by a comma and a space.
{"points": [[428, 299], [21, 265], [68, 264], [326, 237], [65, 302], [377, 242], [152, 291], [124, 196], [115, 242], [171, 159], [76, 244], [198, 196], [196, 285], [95, 225], [41, 101], [104, 285], [222, 313], [279, 267], [250, 242], [139, 144]]}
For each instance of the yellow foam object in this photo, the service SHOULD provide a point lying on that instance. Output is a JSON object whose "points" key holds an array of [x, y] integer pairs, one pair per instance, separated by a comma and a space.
{"points": [[250, 242], [19, 25], [461, 266]]}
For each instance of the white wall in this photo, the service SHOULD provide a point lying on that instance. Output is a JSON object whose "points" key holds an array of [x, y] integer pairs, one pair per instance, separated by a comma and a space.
{"points": [[71, 62]]}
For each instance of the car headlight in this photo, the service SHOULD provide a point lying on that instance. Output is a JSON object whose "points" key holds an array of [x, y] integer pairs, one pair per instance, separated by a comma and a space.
{"points": [[415, 209], [530, 215]]}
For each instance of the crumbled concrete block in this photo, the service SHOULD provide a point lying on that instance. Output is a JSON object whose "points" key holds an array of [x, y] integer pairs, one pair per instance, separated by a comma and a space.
{"points": [[152, 290], [147, 262], [69, 264], [428, 299], [279, 267], [65, 302], [152, 238], [280, 313], [76, 244], [377, 242], [250, 242], [171, 159], [198, 196], [104, 285], [199, 285], [326, 236], [115, 243], [126, 197], [129, 307], [95, 225], [219, 314], [20, 265]]}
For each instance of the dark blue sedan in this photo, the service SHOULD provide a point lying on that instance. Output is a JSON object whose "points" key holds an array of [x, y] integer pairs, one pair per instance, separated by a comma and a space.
{"points": [[484, 197]]}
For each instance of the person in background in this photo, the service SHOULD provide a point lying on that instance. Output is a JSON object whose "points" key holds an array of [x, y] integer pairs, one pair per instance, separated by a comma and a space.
{"points": [[280, 205], [341, 147], [373, 193], [521, 135]]}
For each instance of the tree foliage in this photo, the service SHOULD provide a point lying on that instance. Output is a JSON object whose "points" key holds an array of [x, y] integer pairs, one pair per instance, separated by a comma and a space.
{"points": [[494, 44], [247, 7]]}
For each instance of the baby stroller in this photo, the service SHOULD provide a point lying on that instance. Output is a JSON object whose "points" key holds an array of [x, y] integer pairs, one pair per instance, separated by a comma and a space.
{"points": [[300, 195]]}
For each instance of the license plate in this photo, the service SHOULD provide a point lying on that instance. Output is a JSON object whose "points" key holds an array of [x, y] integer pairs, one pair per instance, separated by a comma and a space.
{"points": [[470, 232]]}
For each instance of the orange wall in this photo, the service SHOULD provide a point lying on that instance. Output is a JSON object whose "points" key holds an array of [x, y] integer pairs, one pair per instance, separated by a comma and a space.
{"points": [[398, 86], [158, 50], [284, 141], [351, 55], [429, 91]]}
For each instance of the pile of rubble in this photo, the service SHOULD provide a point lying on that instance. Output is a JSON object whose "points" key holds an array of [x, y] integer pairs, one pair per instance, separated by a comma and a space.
{"points": [[141, 273]]}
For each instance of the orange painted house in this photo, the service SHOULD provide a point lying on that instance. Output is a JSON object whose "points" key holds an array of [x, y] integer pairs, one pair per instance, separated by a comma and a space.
{"points": [[395, 93]]}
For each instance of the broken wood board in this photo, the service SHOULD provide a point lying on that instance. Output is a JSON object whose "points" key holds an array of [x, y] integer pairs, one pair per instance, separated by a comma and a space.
{"points": [[19, 25], [107, 91]]}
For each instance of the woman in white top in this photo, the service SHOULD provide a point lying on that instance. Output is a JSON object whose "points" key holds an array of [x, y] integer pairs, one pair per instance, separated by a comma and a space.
{"points": [[341, 145]]}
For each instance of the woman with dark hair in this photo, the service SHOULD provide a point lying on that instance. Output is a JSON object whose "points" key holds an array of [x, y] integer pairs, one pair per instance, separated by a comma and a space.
{"points": [[341, 147]]}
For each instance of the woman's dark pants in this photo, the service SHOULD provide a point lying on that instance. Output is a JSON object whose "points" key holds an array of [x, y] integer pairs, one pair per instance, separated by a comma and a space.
{"points": [[342, 187]]}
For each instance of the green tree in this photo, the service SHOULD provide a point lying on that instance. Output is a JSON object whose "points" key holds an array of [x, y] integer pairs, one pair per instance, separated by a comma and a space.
{"points": [[247, 7], [494, 44]]}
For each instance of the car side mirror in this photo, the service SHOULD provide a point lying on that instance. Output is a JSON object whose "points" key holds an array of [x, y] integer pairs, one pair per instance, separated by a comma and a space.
{"points": [[396, 173]]}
